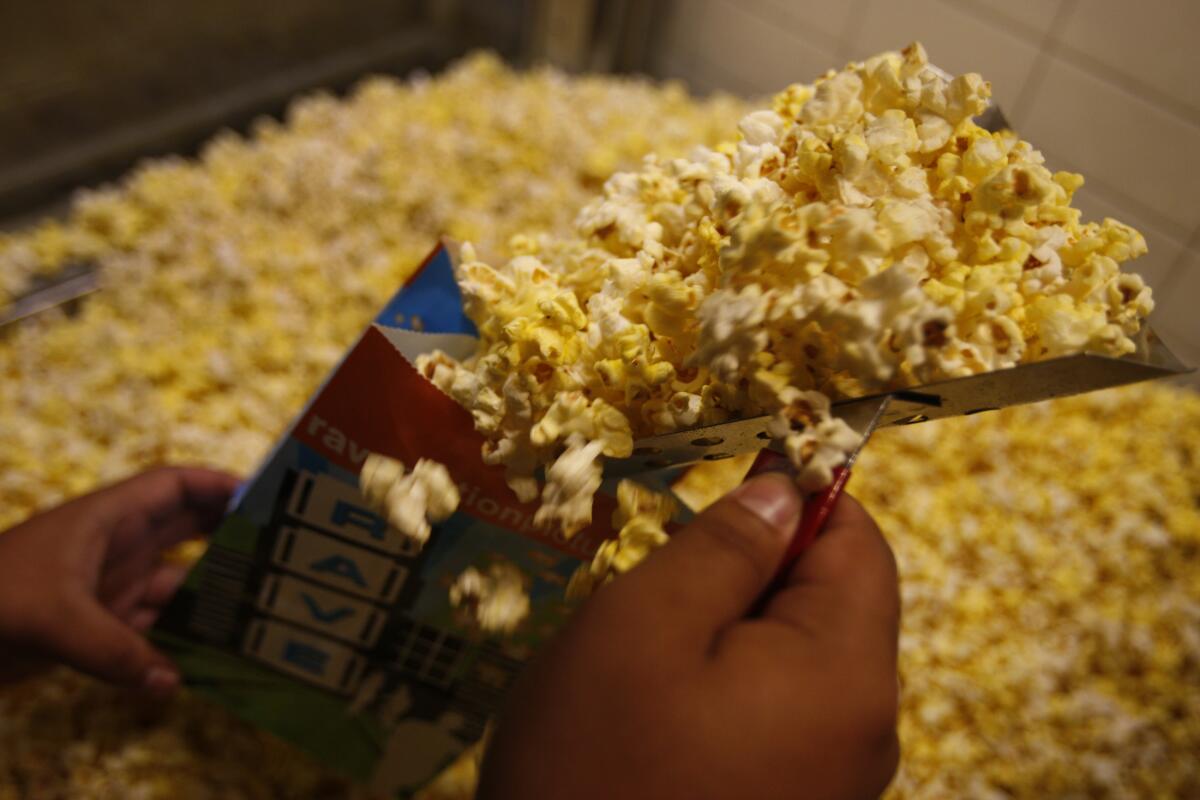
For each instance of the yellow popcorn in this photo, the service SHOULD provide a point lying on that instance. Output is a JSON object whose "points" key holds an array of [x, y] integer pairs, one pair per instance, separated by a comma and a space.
{"points": [[572, 414], [815, 442], [1050, 582], [640, 521], [1051, 601], [409, 500], [70, 736], [496, 601], [379, 474], [635, 500], [231, 284], [1049, 642], [457, 781], [867, 212], [571, 482]]}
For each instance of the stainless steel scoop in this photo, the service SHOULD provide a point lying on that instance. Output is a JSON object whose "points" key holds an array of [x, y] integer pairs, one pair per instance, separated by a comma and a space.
{"points": [[1027, 383], [988, 391]]}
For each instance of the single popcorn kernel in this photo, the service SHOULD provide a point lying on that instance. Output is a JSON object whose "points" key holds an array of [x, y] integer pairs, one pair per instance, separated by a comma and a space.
{"points": [[571, 482], [409, 501], [496, 600]]}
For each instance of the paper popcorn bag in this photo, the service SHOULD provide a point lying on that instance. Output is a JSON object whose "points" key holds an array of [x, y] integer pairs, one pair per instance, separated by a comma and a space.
{"points": [[309, 617]]}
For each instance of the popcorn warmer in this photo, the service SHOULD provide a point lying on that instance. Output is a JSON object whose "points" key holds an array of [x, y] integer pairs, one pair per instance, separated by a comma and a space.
{"points": [[1048, 553]]}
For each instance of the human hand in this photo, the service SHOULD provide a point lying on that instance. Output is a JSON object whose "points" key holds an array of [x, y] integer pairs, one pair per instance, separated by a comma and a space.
{"points": [[665, 685], [80, 583]]}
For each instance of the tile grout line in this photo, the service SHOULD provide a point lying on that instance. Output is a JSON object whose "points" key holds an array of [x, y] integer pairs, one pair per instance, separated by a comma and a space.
{"points": [[990, 17], [1127, 84], [1174, 274], [1046, 51], [785, 23], [1080, 60], [744, 82]]}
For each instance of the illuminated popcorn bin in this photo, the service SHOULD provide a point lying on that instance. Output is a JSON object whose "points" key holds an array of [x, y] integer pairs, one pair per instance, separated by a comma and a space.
{"points": [[1049, 554]]}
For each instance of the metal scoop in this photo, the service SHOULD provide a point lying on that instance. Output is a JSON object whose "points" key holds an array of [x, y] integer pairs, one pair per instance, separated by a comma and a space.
{"points": [[988, 391], [1027, 383]]}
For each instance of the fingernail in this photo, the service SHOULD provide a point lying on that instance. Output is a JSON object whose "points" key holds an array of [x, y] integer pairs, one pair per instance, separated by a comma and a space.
{"points": [[773, 498], [161, 680]]}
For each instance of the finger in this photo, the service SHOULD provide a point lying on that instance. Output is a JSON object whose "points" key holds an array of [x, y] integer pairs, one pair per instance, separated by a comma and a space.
{"points": [[143, 619], [167, 505], [101, 645], [163, 584], [137, 583], [713, 570], [846, 579]]}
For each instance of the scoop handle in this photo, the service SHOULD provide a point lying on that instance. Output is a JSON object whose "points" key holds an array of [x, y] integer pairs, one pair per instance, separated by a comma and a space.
{"points": [[817, 506]]}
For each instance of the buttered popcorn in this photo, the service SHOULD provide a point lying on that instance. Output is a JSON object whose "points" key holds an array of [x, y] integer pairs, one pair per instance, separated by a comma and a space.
{"points": [[862, 234], [496, 599], [1072, 674], [231, 284], [409, 500], [640, 521]]}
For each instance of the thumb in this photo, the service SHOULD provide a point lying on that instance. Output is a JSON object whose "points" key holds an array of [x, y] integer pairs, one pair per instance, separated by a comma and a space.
{"points": [[104, 647], [714, 569]]}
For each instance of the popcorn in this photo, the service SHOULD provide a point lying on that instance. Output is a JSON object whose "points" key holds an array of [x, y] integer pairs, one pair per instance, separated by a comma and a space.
{"points": [[231, 284], [863, 234], [571, 481], [68, 735], [815, 442], [412, 500], [497, 600], [379, 474], [639, 519], [1047, 553]]}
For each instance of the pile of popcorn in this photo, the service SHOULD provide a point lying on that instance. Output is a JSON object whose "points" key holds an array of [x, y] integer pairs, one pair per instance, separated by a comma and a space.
{"points": [[231, 284], [1050, 579], [1050, 555], [863, 233], [67, 737], [1050, 575]]}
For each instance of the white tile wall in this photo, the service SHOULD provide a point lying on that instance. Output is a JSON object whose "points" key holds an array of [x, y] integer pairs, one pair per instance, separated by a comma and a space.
{"points": [[1150, 45], [763, 54], [817, 20], [1027, 16], [1109, 88], [1178, 305], [1137, 148]]}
